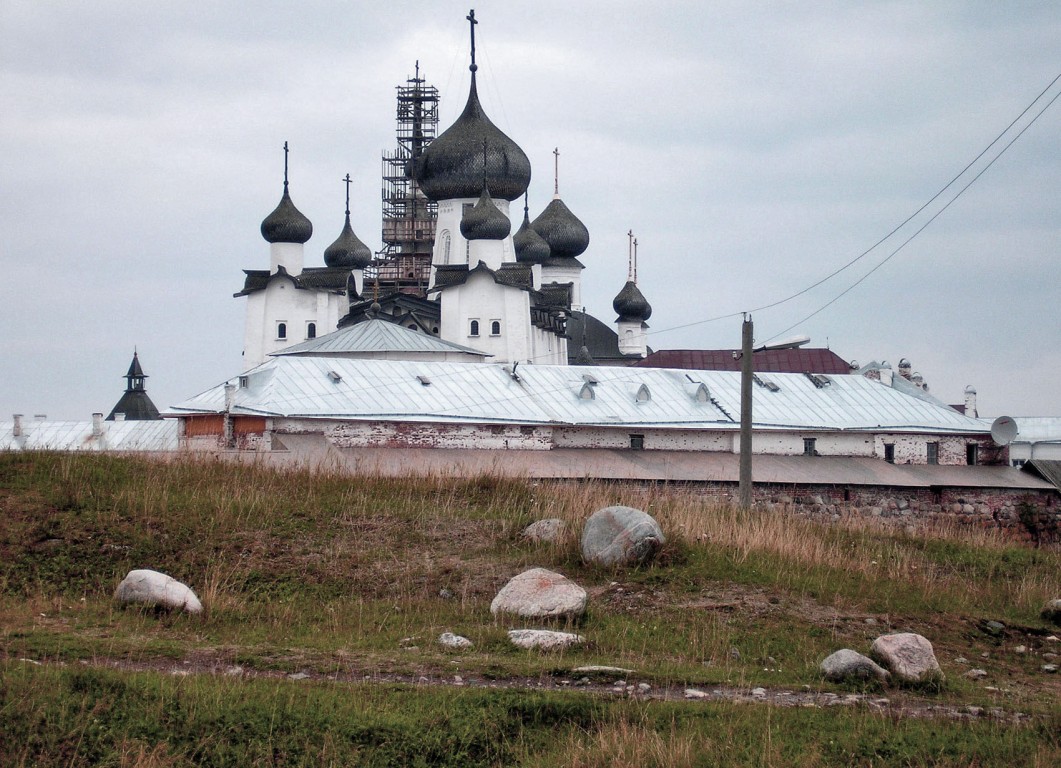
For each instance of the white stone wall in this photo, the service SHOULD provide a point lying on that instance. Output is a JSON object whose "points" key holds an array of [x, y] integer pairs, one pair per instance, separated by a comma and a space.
{"points": [[281, 301], [451, 247], [355, 434], [481, 299]]}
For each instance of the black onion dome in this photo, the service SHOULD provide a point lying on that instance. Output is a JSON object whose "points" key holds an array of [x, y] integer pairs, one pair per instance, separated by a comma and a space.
{"points": [[484, 221], [566, 236], [631, 305], [286, 224], [530, 248], [348, 251], [453, 165]]}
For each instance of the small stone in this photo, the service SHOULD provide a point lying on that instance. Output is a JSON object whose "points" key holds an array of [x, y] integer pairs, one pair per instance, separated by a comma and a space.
{"points": [[758, 692], [908, 656], [583, 681], [847, 664], [297, 676], [694, 693], [871, 621], [543, 639], [994, 628], [976, 674], [619, 683], [445, 594], [544, 531], [234, 671], [458, 680], [734, 653], [1049, 668], [644, 687], [1049, 656], [1052, 611], [540, 594], [146, 587], [1051, 638], [423, 680], [601, 670], [961, 660], [975, 711], [1021, 649], [450, 640]]}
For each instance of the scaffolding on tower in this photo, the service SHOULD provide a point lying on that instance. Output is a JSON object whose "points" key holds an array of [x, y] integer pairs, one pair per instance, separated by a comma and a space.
{"points": [[404, 263]]}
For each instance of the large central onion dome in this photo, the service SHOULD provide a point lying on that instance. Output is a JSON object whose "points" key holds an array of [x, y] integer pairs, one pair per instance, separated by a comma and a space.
{"points": [[454, 166], [566, 236], [348, 251], [484, 221], [631, 305], [286, 224]]}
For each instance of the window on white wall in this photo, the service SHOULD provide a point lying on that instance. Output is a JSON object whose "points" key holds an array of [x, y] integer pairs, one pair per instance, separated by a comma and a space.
{"points": [[473, 327], [281, 330], [311, 330], [445, 239], [495, 327]]}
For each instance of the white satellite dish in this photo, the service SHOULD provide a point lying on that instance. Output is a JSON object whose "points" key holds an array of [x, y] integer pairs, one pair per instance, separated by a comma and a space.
{"points": [[1003, 430]]}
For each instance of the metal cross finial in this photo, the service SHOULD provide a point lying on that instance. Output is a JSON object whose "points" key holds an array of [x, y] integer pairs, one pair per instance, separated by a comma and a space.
{"points": [[556, 171], [634, 278], [347, 180], [285, 166], [630, 256], [526, 204], [473, 22]]}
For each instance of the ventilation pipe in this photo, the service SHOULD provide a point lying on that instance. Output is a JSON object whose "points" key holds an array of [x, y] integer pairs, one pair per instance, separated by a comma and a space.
{"points": [[97, 425], [16, 431], [970, 401]]}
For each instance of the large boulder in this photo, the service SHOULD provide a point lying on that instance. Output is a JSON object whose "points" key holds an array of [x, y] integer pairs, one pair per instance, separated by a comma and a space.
{"points": [[1052, 611], [544, 639], [620, 536], [846, 664], [540, 594], [151, 588], [908, 656]]}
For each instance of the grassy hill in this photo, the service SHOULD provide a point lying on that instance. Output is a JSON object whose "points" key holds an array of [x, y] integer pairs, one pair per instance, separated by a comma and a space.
{"points": [[325, 596]]}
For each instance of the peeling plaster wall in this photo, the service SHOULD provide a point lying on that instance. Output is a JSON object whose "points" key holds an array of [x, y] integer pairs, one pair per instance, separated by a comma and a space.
{"points": [[408, 434]]}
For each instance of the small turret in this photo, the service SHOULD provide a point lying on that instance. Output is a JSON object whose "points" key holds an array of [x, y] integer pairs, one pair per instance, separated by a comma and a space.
{"points": [[632, 309], [286, 230]]}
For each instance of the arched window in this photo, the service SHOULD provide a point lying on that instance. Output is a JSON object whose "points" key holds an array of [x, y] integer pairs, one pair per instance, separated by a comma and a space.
{"points": [[311, 330], [473, 328], [445, 245], [495, 327], [281, 330]]}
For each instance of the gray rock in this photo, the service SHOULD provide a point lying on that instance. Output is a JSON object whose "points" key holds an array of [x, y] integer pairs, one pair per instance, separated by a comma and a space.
{"points": [[1049, 668], [695, 693], [908, 656], [976, 674], [621, 536], [994, 628], [540, 594], [1052, 611], [601, 670], [544, 531], [450, 640], [544, 639], [847, 664], [146, 587]]}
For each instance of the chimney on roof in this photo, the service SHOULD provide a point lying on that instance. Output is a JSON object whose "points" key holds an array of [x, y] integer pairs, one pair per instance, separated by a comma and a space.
{"points": [[905, 369], [97, 425], [886, 374], [970, 401], [17, 429]]}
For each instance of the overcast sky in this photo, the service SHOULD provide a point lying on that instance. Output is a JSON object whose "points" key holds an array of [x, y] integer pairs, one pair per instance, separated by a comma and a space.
{"points": [[753, 148]]}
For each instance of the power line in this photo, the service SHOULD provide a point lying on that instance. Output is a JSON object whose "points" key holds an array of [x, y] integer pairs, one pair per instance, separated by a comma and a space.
{"points": [[898, 227]]}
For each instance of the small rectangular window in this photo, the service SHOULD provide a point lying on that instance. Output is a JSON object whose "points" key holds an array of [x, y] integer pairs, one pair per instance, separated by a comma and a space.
{"points": [[932, 453], [637, 442], [972, 454], [889, 452], [809, 448], [473, 328], [281, 330]]}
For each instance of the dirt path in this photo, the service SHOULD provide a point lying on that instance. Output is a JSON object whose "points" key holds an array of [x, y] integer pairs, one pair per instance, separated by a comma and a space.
{"points": [[598, 681]]}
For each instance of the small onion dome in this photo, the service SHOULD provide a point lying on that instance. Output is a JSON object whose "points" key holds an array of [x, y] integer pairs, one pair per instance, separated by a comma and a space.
{"points": [[286, 224], [566, 236], [453, 165], [484, 221], [631, 305], [530, 248], [348, 251]]}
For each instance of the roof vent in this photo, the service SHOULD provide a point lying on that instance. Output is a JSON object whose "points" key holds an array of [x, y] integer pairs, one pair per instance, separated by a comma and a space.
{"points": [[334, 376], [765, 383], [818, 380], [702, 394], [424, 380], [587, 393]]}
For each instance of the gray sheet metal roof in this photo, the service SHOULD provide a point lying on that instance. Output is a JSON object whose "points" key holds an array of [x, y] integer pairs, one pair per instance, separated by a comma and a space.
{"points": [[375, 336], [1038, 429], [675, 466], [549, 394], [158, 435]]}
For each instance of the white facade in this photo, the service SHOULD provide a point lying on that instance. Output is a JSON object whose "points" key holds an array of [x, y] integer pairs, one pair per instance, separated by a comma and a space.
{"points": [[283, 314]]}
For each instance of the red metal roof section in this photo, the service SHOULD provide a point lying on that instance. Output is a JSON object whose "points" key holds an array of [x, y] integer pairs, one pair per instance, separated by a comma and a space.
{"points": [[768, 361]]}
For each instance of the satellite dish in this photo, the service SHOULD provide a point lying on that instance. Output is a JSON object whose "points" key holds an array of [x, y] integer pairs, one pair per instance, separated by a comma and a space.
{"points": [[1003, 430]]}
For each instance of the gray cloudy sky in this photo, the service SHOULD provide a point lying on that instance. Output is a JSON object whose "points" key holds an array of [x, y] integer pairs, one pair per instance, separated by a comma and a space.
{"points": [[752, 147]]}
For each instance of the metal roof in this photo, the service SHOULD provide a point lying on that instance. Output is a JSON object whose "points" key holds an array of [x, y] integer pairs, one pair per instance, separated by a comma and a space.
{"points": [[369, 389], [157, 435], [813, 360], [1038, 429], [376, 336]]}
